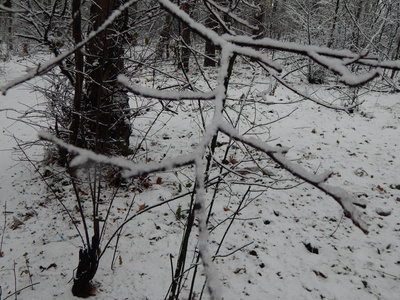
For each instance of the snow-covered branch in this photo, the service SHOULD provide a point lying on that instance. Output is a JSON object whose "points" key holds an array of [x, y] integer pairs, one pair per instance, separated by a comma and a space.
{"points": [[337, 66], [291, 47], [350, 204], [129, 168]]}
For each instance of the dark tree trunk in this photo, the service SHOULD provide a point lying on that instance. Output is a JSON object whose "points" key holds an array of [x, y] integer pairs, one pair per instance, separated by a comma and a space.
{"points": [[77, 104], [185, 35], [100, 120], [106, 104], [210, 49], [165, 36], [87, 268], [335, 19]]}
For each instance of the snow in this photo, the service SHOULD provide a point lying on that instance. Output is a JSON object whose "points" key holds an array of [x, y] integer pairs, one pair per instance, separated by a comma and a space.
{"points": [[267, 238], [275, 225]]}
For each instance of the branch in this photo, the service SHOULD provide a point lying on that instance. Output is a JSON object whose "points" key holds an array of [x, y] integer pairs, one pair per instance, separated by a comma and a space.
{"points": [[162, 94], [130, 169], [268, 43], [349, 203], [337, 67]]}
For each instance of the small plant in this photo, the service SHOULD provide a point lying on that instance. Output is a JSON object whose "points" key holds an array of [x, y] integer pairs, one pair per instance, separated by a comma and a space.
{"points": [[27, 271], [178, 214]]}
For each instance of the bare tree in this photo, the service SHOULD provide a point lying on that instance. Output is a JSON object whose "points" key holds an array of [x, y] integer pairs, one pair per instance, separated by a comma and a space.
{"points": [[104, 86]]}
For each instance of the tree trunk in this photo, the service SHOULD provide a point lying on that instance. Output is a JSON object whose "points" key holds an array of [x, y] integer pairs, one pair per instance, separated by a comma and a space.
{"points": [[335, 19], [100, 120], [165, 35], [77, 104], [210, 49], [106, 103], [185, 35], [87, 268]]}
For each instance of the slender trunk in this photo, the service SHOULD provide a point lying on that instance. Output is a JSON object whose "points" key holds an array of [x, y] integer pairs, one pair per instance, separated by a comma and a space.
{"points": [[335, 19], [210, 49], [165, 35], [77, 104], [185, 35], [396, 56]]}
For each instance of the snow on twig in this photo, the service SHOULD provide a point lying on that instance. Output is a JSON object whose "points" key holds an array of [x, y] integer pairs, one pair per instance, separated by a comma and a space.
{"points": [[258, 144], [129, 168], [200, 207], [349, 203], [292, 47], [337, 67]]}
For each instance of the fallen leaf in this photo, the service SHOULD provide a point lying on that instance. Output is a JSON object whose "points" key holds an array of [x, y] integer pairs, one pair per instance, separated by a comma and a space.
{"points": [[238, 270], [232, 160], [380, 188], [319, 274], [141, 207]]}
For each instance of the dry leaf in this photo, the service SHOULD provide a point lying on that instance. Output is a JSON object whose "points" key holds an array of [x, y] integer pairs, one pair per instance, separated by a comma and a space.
{"points": [[159, 180], [320, 274], [380, 188], [232, 160], [238, 270], [141, 207]]}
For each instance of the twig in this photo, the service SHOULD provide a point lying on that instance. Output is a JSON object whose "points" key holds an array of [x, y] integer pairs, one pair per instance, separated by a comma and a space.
{"points": [[4, 230], [15, 282], [234, 251], [59, 199], [337, 227], [27, 268], [16, 292], [388, 274], [119, 233], [231, 222]]}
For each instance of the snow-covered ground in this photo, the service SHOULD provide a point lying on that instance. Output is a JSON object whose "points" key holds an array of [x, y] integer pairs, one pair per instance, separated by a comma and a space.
{"points": [[292, 243]]}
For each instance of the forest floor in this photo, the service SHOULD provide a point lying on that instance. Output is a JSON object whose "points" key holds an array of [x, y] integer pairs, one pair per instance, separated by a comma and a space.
{"points": [[291, 243]]}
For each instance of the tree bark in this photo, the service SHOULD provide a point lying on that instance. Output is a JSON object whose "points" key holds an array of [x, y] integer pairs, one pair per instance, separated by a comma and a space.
{"points": [[210, 49], [335, 18], [77, 102], [185, 35], [106, 103]]}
